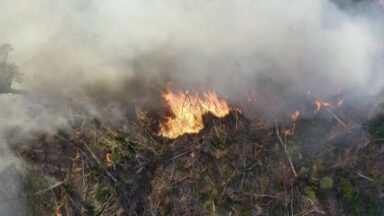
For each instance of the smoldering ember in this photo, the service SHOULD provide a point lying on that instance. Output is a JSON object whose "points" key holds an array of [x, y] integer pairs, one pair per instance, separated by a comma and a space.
{"points": [[177, 107]]}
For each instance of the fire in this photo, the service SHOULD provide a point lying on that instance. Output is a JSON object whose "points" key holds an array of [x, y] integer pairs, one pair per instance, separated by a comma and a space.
{"points": [[188, 110], [108, 158], [318, 104], [57, 210], [294, 116]]}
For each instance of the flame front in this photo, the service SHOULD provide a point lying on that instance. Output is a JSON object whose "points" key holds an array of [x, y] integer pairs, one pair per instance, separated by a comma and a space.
{"points": [[187, 112]]}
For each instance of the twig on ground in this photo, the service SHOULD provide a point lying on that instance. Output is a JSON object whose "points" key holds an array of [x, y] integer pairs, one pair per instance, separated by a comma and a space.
{"points": [[261, 195], [291, 200], [105, 205], [243, 176], [371, 141], [84, 179], [172, 173], [214, 158], [308, 211], [363, 176], [97, 161], [181, 155], [91, 152], [50, 188]]}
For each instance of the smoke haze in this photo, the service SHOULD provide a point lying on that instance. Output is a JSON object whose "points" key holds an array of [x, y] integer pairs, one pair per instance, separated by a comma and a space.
{"points": [[109, 56]]}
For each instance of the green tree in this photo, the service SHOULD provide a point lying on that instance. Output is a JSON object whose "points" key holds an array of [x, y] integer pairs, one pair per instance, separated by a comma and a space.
{"points": [[9, 72]]}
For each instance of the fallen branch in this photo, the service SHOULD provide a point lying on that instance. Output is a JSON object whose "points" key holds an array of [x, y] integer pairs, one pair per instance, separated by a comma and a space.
{"points": [[363, 176], [243, 176], [285, 149], [337, 118], [214, 158], [49, 188], [371, 141], [71, 115], [105, 206], [181, 155]]}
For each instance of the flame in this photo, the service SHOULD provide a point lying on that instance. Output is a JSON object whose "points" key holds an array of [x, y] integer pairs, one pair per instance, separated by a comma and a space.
{"points": [[188, 110], [318, 104], [108, 158], [294, 116], [57, 210], [141, 115], [340, 102]]}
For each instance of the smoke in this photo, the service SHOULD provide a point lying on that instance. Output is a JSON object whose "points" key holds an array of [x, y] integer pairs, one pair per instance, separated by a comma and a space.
{"points": [[95, 47], [108, 57]]}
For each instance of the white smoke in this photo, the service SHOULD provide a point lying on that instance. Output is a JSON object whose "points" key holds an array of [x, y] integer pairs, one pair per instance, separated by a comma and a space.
{"points": [[312, 45]]}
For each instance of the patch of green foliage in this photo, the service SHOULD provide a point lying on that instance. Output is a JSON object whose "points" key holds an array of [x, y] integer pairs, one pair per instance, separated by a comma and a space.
{"points": [[35, 182], [326, 182], [310, 192], [227, 202], [376, 177], [215, 141], [354, 201], [346, 189], [116, 155], [103, 193], [173, 191], [303, 172], [376, 127], [9, 72], [69, 189]]}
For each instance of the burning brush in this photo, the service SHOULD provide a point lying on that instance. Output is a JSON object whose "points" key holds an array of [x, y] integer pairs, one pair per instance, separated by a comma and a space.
{"points": [[187, 111]]}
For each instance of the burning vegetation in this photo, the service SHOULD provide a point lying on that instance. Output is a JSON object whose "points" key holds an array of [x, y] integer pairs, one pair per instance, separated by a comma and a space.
{"points": [[214, 161], [187, 111]]}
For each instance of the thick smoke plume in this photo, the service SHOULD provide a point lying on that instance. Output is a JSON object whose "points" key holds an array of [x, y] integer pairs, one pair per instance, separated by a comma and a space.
{"points": [[108, 57], [102, 53]]}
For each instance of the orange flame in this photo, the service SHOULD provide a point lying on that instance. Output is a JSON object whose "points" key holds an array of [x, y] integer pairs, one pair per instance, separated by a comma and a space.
{"points": [[57, 210], [294, 116], [318, 104], [108, 158], [188, 110]]}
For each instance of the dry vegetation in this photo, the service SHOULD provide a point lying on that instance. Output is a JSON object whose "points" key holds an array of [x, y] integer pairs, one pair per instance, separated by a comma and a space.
{"points": [[233, 167]]}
